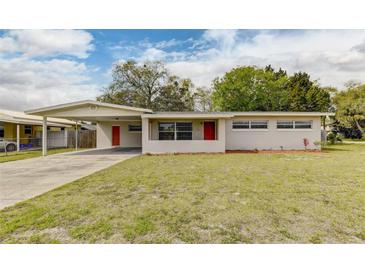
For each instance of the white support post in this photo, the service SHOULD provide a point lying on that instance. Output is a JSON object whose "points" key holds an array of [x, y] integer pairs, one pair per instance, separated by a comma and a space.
{"points": [[76, 135], [17, 137], [66, 136], [145, 134], [44, 136]]}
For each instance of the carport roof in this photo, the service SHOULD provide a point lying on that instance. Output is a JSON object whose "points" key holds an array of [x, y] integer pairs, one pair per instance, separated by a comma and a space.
{"points": [[45, 110], [197, 114], [90, 110]]}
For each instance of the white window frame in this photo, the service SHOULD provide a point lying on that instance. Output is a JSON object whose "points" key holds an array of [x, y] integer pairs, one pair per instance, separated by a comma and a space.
{"points": [[27, 127], [175, 131], [167, 122], [241, 129], [249, 125], [176, 122], [310, 121], [134, 131], [294, 128], [284, 129]]}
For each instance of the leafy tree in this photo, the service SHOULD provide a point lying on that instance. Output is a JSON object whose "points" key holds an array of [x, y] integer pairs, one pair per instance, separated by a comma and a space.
{"points": [[149, 85], [203, 99], [350, 107], [307, 95], [175, 95], [251, 88]]}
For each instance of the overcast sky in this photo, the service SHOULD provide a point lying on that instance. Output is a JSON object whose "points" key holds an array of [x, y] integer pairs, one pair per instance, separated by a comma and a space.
{"points": [[44, 67]]}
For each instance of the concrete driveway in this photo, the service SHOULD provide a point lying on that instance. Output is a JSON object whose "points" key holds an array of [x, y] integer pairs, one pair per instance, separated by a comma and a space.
{"points": [[24, 179]]}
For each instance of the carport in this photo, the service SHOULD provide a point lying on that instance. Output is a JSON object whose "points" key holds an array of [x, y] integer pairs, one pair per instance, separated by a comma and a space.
{"points": [[116, 125]]}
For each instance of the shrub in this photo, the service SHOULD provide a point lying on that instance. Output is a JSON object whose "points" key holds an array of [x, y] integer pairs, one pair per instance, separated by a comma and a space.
{"points": [[334, 137], [318, 144]]}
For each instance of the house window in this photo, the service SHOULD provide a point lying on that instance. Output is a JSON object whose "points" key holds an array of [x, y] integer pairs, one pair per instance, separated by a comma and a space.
{"points": [[166, 131], [184, 131], [259, 124], [249, 125], [175, 131], [240, 124], [2, 131], [303, 124], [294, 124], [134, 128], [284, 124], [27, 129]]}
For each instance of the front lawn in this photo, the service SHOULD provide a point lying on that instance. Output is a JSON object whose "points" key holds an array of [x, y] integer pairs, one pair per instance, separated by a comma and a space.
{"points": [[217, 198], [21, 155], [354, 140]]}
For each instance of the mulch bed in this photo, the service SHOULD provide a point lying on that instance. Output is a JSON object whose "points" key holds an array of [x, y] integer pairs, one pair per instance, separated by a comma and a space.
{"points": [[242, 151], [275, 151]]}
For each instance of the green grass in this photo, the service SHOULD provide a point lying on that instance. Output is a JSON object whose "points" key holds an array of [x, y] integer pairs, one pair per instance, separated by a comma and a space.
{"points": [[217, 198], [354, 140], [14, 156]]}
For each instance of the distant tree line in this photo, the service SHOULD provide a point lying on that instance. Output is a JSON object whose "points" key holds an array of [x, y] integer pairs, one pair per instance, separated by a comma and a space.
{"points": [[246, 88]]}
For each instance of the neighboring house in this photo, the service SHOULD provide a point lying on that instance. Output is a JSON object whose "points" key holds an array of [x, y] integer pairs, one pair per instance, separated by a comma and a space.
{"points": [[189, 132], [19, 130]]}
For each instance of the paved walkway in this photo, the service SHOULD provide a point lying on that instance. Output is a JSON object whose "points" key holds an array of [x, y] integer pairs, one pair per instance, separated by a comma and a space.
{"points": [[24, 179]]}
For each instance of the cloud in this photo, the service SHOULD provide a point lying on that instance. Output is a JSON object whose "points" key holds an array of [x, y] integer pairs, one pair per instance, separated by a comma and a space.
{"points": [[40, 67], [331, 56], [33, 43], [153, 54], [224, 39], [29, 83]]}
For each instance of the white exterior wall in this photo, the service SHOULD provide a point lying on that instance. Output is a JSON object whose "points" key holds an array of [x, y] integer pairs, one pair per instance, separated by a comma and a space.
{"points": [[228, 139], [127, 139], [272, 138], [158, 146]]}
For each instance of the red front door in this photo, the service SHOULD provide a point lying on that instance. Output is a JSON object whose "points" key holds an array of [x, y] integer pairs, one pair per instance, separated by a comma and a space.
{"points": [[209, 130], [115, 135]]}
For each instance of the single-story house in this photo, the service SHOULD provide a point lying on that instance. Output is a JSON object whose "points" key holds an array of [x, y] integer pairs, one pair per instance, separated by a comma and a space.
{"points": [[189, 132], [26, 130]]}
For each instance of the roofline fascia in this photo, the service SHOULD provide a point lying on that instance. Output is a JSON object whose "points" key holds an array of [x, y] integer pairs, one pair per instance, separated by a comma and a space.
{"points": [[236, 114], [83, 102]]}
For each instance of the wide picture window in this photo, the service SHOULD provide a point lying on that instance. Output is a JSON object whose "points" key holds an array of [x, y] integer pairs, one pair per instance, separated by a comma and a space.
{"points": [[184, 131], [175, 131]]}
